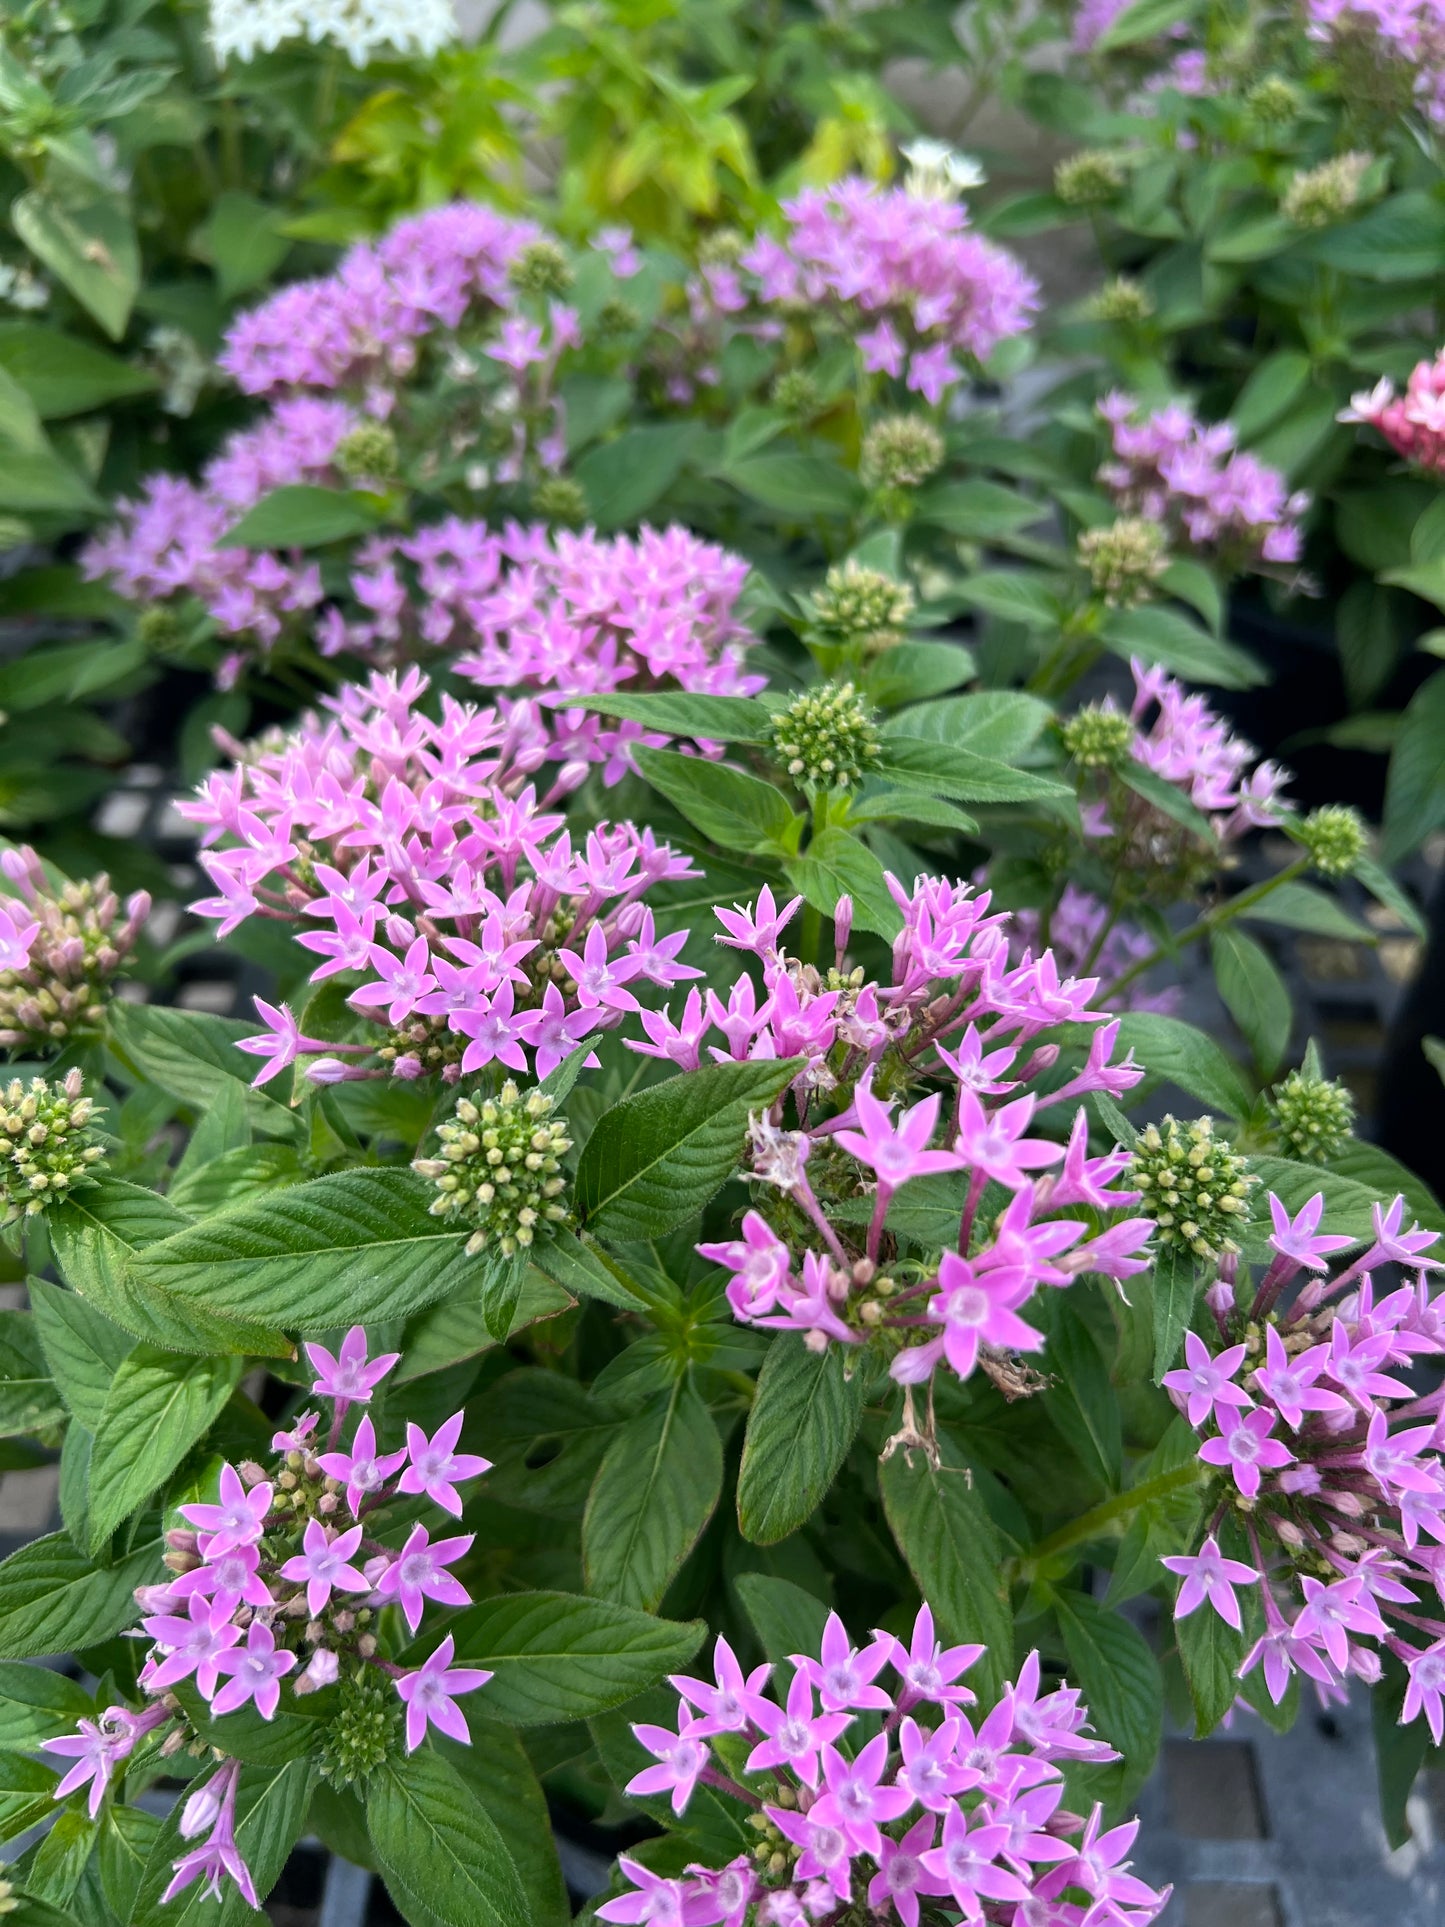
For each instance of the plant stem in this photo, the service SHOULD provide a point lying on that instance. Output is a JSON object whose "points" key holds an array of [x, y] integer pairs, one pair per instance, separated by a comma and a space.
{"points": [[1079, 1531], [1205, 926]]}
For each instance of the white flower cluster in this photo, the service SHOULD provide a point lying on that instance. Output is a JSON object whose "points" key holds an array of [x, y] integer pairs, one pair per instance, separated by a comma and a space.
{"points": [[240, 29]]}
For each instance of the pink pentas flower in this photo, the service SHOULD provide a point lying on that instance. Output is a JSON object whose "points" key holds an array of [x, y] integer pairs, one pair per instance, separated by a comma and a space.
{"points": [[656, 1900], [1206, 1381], [1287, 1380], [418, 1573], [795, 1737], [729, 1704], [929, 1670], [758, 927], [281, 1045], [436, 1466], [254, 1673], [994, 1142], [843, 1674], [681, 1757], [231, 1578], [966, 1863], [1424, 1691], [1245, 1448], [429, 1695], [324, 1563], [238, 1519], [977, 1309], [897, 1151], [349, 1375], [363, 1469], [759, 1262], [854, 1799], [1208, 1575], [1300, 1237]]}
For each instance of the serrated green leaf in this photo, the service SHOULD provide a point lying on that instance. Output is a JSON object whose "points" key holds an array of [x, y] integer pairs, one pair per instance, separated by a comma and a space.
{"points": [[805, 1416], [302, 516], [653, 1495], [735, 810], [159, 1404], [54, 1600]]}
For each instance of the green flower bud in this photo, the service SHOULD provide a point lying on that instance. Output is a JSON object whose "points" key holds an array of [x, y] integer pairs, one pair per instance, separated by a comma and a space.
{"points": [[364, 1734], [47, 1150], [1125, 559], [367, 454], [1335, 839], [558, 498], [501, 1168], [1090, 179], [540, 268], [796, 393], [825, 738], [1314, 1116], [1122, 299], [861, 608], [158, 629], [722, 248], [900, 451], [1098, 737], [1193, 1186], [1272, 101], [617, 317], [1319, 196]]}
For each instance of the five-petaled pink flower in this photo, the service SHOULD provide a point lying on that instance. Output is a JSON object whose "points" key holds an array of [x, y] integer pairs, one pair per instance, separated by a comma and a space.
{"points": [[350, 1375], [429, 1694], [324, 1562], [364, 1470], [1245, 1447], [256, 1672], [1205, 1381], [238, 1520], [1207, 1574], [436, 1464], [977, 1309], [417, 1574]]}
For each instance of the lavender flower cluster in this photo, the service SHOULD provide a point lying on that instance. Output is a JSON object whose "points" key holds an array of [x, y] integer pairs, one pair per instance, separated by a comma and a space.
{"points": [[1326, 1461], [282, 1565], [834, 1810], [1213, 498], [956, 1009], [1401, 37], [60, 948], [416, 853]]}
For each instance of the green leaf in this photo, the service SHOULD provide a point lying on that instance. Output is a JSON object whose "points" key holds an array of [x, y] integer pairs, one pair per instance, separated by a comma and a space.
{"points": [[64, 375], [88, 245], [1415, 787], [998, 723], [97, 1236], [65, 674], [19, 419], [1211, 1654], [914, 671], [1169, 800], [1111, 1662], [192, 1056], [718, 719], [1300, 906], [1254, 994], [805, 1416], [495, 1769], [653, 1495], [654, 1160], [963, 773], [30, 1400], [82, 1348], [836, 864], [732, 808], [241, 238], [1169, 1048], [1080, 1400], [439, 1846], [159, 1405], [1399, 239], [1386, 1177], [1175, 1288], [27, 1794], [1013, 597], [977, 510], [786, 1620], [36, 480], [53, 1600], [356, 1246], [1269, 391], [270, 1814], [943, 1530], [1161, 635], [127, 1838], [1143, 20], [37, 1704], [794, 485], [558, 1656], [624, 477], [580, 1266], [302, 516]]}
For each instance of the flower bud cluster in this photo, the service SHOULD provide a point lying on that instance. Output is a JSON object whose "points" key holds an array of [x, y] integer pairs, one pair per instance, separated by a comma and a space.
{"points": [[1192, 1185], [900, 451], [1319, 196], [1125, 559], [46, 1145], [500, 1168], [1313, 1116], [1090, 179], [861, 609], [923, 1818], [1122, 300], [368, 453], [1098, 736], [1335, 837], [826, 738], [60, 947], [289, 1563]]}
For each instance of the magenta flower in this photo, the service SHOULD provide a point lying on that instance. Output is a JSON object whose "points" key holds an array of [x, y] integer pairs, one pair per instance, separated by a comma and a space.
{"points": [[220, 1856], [1394, 1246], [1096, 1868], [826, 1861], [730, 1705], [300, 1438], [1246, 1448], [255, 1673], [993, 1141], [436, 1465], [681, 1757], [901, 1875], [853, 1798], [1205, 1382], [1332, 1612], [361, 1468], [191, 1645], [429, 1694], [1300, 1237], [759, 1263], [323, 1563], [1207, 1574], [1288, 1381], [231, 1578], [350, 1375], [927, 1668], [238, 1520], [97, 1747], [895, 1152], [417, 1574], [930, 1769], [977, 1309], [844, 1674], [758, 927], [281, 1045], [967, 1865], [658, 1901], [1422, 1694], [795, 1737]]}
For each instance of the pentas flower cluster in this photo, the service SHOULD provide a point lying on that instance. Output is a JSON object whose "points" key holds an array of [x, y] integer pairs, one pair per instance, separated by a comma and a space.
{"points": [[886, 1801], [1210, 496], [823, 1259], [1083, 938], [279, 1582], [1413, 423], [905, 273], [60, 947], [412, 857], [1327, 1477], [1172, 732], [1399, 38]]}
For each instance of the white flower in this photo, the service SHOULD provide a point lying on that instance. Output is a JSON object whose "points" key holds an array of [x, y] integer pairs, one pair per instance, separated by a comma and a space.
{"points": [[240, 29], [936, 172]]}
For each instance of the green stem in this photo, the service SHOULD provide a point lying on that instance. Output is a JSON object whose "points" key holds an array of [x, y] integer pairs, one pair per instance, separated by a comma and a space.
{"points": [[1079, 1531], [1205, 926]]}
